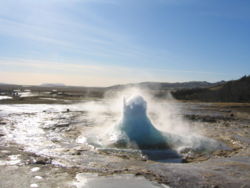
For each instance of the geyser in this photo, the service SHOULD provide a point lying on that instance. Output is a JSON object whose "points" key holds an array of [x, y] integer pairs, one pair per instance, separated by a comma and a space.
{"points": [[136, 131], [137, 127]]}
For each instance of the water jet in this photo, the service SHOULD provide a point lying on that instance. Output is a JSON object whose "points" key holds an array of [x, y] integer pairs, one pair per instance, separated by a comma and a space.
{"points": [[137, 127]]}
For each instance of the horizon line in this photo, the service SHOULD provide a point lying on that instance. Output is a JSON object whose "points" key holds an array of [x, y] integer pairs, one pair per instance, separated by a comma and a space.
{"points": [[123, 84]]}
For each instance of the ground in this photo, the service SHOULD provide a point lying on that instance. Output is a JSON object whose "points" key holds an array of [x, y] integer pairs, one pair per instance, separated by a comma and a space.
{"points": [[50, 157]]}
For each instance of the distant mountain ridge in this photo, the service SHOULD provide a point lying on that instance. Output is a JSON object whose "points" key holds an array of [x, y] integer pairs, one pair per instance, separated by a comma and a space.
{"points": [[52, 85], [168, 85], [231, 91], [148, 85]]}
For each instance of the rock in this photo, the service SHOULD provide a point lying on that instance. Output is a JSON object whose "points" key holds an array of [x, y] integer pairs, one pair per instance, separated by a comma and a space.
{"points": [[75, 152], [215, 186], [62, 125], [138, 174], [42, 160]]}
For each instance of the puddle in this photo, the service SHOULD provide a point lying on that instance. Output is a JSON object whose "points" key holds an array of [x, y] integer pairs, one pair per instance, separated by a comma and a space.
{"points": [[167, 155], [84, 180]]}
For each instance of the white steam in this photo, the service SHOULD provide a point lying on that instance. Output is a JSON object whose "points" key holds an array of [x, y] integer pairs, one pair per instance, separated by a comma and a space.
{"points": [[165, 116]]}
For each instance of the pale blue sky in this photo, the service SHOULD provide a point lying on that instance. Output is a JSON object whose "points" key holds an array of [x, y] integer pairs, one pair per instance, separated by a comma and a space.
{"points": [[105, 42]]}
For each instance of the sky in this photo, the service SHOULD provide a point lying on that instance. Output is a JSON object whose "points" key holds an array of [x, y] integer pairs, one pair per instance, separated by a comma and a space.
{"points": [[107, 42]]}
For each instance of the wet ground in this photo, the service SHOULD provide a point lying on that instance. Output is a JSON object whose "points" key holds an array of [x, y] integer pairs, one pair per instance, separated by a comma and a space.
{"points": [[41, 145]]}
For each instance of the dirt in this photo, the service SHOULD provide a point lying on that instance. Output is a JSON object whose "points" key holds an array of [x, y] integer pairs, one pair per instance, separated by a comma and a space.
{"points": [[222, 168]]}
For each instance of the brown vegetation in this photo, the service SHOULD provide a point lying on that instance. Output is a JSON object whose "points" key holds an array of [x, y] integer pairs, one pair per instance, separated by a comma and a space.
{"points": [[232, 91]]}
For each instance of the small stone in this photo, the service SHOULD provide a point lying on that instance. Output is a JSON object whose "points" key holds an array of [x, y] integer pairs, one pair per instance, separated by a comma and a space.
{"points": [[138, 174], [34, 185], [35, 169], [215, 186], [42, 161], [62, 125], [38, 177]]}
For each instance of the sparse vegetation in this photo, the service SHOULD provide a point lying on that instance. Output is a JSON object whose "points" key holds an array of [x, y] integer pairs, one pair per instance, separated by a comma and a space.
{"points": [[232, 91]]}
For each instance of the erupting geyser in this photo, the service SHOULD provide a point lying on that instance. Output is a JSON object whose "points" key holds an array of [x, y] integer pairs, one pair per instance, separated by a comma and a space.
{"points": [[135, 130], [137, 127]]}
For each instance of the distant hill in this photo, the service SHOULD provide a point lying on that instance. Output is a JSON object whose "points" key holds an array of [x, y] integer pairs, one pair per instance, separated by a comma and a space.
{"points": [[52, 85], [148, 85], [167, 86], [231, 91], [159, 88]]}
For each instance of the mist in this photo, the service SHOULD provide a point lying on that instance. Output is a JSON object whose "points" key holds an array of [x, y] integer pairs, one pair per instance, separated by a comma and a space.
{"points": [[165, 115]]}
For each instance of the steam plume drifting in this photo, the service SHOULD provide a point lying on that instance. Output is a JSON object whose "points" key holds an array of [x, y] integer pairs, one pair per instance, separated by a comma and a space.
{"points": [[158, 127]]}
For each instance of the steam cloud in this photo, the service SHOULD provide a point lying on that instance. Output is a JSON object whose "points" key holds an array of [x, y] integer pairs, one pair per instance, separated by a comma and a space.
{"points": [[142, 121]]}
